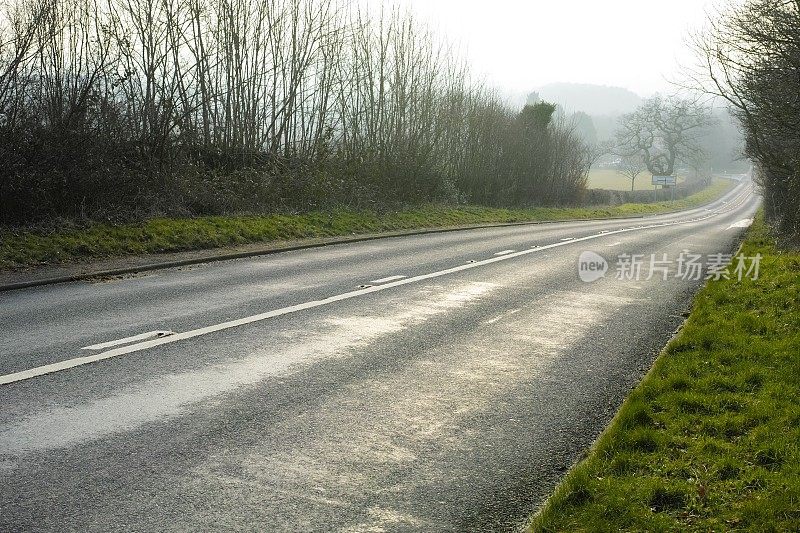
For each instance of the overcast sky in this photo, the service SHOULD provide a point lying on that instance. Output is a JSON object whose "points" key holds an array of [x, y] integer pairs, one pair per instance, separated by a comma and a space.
{"points": [[518, 45]]}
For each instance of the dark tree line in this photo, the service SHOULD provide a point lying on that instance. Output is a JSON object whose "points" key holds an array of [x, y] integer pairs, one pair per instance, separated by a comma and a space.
{"points": [[751, 58], [117, 109]]}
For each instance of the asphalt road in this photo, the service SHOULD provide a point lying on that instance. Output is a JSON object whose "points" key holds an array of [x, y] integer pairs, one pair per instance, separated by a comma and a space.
{"points": [[427, 383]]}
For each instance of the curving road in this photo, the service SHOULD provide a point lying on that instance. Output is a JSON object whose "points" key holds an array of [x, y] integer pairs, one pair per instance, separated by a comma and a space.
{"points": [[427, 383]]}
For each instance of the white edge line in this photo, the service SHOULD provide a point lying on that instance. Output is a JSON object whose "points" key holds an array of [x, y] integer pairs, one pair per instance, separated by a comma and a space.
{"points": [[504, 252], [79, 361], [744, 223]]}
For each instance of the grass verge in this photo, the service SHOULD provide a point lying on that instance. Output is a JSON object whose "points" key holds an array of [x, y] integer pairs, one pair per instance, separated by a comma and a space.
{"points": [[709, 441], [27, 247]]}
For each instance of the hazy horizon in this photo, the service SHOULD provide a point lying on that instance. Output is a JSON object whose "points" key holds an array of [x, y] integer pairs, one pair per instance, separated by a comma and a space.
{"points": [[580, 41]]}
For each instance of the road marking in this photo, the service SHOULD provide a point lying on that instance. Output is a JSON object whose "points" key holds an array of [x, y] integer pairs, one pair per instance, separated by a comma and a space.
{"points": [[129, 340], [500, 317], [386, 280], [613, 244], [745, 223], [567, 239], [505, 252], [152, 343]]}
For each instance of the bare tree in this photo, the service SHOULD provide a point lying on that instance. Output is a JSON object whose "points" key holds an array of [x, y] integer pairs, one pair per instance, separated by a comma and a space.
{"points": [[663, 132], [201, 106], [750, 57], [632, 166]]}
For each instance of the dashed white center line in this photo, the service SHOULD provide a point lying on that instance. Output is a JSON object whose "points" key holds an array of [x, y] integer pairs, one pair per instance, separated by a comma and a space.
{"points": [[614, 244], [130, 340], [387, 280], [128, 345]]}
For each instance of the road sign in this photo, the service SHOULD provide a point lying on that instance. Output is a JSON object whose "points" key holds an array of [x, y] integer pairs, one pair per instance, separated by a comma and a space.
{"points": [[665, 181]]}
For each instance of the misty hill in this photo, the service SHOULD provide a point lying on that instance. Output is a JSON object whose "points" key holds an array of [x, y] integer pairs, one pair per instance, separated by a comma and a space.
{"points": [[595, 100]]}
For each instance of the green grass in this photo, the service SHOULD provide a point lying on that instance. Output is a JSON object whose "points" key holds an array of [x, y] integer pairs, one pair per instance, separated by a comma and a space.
{"points": [[27, 247], [710, 440]]}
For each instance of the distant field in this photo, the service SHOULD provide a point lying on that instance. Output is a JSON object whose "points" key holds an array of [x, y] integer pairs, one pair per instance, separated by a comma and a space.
{"points": [[615, 181]]}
